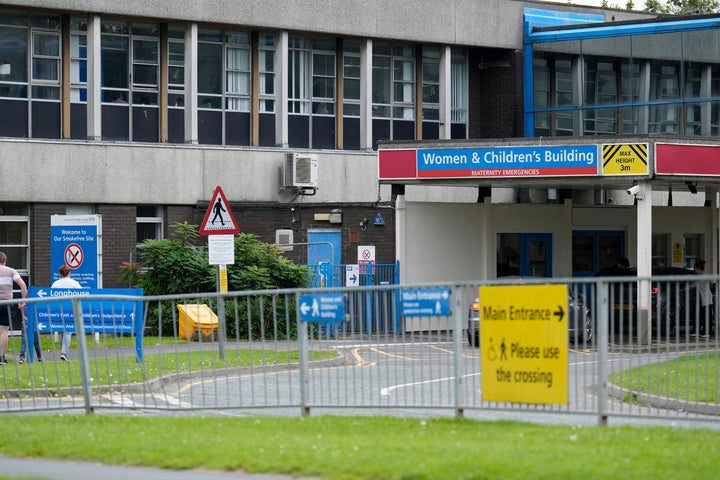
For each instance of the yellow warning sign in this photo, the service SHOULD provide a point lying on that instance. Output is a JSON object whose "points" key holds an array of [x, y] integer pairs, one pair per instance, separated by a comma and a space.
{"points": [[524, 343], [625, 159]]}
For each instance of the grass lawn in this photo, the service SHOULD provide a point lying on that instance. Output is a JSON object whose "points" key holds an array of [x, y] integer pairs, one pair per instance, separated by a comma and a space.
{"points": [[693, 378], [369, 447], [124, 369]]}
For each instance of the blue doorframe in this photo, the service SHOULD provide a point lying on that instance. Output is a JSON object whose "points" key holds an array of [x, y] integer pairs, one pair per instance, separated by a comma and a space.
{"points": [[324, 246], [536, 255], [594, 250]]}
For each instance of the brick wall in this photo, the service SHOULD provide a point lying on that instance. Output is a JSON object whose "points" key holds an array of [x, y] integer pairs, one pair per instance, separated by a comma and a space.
{"points": [[40, 213], [495, 94], [118, 242]]}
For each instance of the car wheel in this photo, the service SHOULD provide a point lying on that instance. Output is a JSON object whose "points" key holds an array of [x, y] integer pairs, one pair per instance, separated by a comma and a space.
{"points": [[668, 323], [473, 340], [589, 330]]}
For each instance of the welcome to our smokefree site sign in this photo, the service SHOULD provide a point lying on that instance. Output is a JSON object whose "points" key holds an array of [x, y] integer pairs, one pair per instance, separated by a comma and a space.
{"points": [[76, 241], [523, 343]]}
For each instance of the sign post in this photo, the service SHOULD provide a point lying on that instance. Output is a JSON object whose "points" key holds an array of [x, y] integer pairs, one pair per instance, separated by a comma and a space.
{"points": [[524, 337], [220, 227]]}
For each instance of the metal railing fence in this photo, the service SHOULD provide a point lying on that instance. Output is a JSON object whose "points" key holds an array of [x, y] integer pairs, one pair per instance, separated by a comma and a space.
{"points": [[265, 352]]}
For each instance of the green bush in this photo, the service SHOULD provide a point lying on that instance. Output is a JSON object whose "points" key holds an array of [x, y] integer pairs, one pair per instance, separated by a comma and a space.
{"points": [[178, 265]]}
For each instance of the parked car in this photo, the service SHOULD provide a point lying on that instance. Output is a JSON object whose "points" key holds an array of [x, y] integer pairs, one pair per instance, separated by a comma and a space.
{"points": [[673, 307], [580, 322]]}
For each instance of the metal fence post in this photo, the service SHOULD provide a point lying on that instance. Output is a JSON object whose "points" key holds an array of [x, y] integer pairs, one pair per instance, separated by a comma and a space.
{"points": [[456, 297], [82, 353], [601, 323], [303, 359]]}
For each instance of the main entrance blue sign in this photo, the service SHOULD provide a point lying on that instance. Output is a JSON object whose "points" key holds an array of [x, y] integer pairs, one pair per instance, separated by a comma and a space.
{"points": [[425, 302]]}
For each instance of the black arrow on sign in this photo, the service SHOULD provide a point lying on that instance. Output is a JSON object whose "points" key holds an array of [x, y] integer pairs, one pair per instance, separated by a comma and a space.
{"points": [[560, 313]]}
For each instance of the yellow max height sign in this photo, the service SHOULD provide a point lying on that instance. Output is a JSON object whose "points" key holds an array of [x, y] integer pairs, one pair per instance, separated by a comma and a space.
{"points": [[625, 159], [523, 343]]}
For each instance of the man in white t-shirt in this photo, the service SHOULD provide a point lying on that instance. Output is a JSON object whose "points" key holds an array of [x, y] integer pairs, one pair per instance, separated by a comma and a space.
{"points": [[65, 282], [7, 277]]}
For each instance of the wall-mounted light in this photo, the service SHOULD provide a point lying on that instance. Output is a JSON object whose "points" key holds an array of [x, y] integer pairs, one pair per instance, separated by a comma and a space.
{"points": [[335, 215], [363, 224], [692, 186], [294, 221]]}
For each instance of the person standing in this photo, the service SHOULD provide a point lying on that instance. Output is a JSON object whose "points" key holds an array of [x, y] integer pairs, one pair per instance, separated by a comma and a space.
{"points": [[7, 277], [24, 339], [707, 319], [65, 282]]}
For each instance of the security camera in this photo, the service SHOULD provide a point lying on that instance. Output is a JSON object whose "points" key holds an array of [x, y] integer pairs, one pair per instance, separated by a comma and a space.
{"points": [[634, 190]]}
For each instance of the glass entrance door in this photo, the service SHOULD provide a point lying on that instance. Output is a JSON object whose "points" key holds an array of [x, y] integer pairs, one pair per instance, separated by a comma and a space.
{"points": [[593, 250], [524, 254]]}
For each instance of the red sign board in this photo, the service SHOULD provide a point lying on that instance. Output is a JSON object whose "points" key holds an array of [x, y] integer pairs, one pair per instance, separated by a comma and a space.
{"points": [[672, 159], [219, 219]]}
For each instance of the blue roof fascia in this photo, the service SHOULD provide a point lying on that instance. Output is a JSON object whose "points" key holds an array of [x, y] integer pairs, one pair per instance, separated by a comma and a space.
{"points": [[535, 17], [607, 31]]}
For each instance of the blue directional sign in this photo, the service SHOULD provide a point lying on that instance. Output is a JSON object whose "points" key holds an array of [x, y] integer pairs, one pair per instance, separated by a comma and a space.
{"points": [[324, 307], [425, 302], [100, 315], [352, 275]]}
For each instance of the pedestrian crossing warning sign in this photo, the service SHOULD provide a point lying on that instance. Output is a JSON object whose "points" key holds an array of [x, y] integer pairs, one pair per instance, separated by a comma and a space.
{"points": [[219, 219]]}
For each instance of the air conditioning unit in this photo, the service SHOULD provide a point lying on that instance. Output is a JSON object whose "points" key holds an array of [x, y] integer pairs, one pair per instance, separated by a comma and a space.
{"points": [[284, 239], [301, 170]]}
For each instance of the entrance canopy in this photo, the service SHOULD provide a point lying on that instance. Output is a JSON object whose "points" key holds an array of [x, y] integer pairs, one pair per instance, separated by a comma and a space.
{"points": [[577, 162]]}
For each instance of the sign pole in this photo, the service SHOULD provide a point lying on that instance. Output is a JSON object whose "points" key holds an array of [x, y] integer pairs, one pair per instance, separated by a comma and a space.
{"points": [[221, 282], [220, 227]]}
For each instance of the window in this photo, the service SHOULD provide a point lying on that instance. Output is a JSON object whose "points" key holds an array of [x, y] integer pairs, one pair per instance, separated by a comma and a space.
{"points": [[664, 86], [210, 66], [564, 97], [237, 71], [458, 87], [78, 60], [351, 78], [46, 65], [600, 89], [298, 76], [266, 66], [149, 223], [660, 246], [693, 249], [323, 77], [14, 35], [176, 66], [431, 84], [145, 64], [115, 61], [393, 81], [404, 83], [14, 237]]}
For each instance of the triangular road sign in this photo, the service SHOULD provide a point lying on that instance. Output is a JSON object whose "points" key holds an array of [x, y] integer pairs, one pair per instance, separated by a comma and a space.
{"points": [[219, 219]]}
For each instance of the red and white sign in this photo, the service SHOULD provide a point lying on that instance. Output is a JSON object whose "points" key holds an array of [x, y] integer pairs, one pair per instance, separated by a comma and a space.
{"points": [[74, 256], [219, 219], [366, 254]]}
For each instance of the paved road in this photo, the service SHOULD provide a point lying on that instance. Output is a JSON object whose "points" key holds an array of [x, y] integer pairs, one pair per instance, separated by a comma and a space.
{"points": [[57, 470]]}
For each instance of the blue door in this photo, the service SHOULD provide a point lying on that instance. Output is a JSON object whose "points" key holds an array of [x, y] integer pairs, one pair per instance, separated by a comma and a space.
{"points": [[324, 255], [524, 254], [593, 250]]}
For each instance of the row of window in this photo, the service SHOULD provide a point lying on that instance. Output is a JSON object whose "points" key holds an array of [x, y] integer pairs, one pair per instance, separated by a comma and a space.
{"points": [[611, 86], [323, 76]]}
